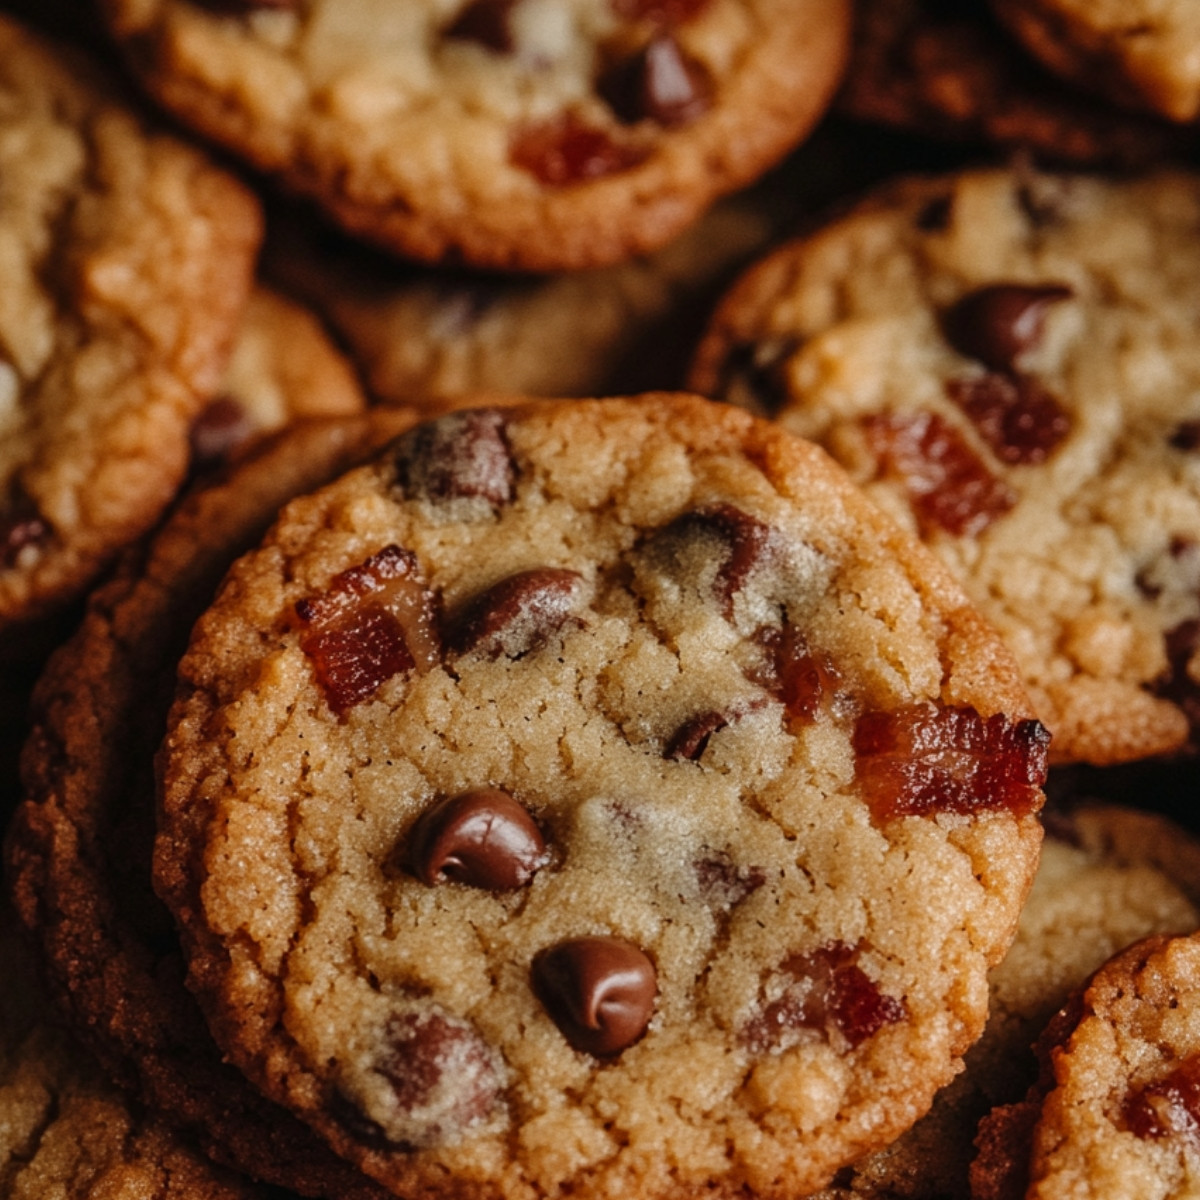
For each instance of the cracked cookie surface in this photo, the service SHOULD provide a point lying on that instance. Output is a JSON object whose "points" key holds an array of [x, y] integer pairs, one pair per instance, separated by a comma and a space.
{"points": [[596, 794], [1005, 361], [503, 133]]}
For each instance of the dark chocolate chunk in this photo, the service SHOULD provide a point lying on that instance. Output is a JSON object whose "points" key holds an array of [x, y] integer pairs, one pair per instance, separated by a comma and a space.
{"points": [[599, 991], [659, 83], [1186, 436], [998, 323], [463, 455], [516, 615], [483, 838], [486, 22]]}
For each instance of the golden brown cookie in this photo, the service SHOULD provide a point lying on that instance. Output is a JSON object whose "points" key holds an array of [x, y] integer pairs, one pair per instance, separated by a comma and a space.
{"points": [[596, 795]]}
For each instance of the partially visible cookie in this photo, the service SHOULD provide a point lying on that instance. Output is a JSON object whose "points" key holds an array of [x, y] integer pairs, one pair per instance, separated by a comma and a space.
{"points": [[1108, 876], [127, 258], [1115, 1113], [1005, 359], [65, 1130], [596, 796], [950, 71], [284, 367], [1140, 53], [79, 849], [504, 133]]}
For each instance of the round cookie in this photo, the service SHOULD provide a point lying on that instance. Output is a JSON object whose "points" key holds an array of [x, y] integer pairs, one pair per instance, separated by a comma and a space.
{"points": [[1141, 53], [1115, 1111], [79, 849], [504, 133], [1108, 876], [951, 72], [127, 258], [1005, 360], [596, 796], [65, 1130], [284, 367]]}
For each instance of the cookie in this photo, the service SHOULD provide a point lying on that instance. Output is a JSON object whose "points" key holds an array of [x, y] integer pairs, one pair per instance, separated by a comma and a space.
{"points": [[78, 852], [284, 367], [1108, 876], [951, 72], [65, 1130], [502, 133], [127, 256], [596, 796], [1141, 53], [1114, 1113], [1004, 360]]}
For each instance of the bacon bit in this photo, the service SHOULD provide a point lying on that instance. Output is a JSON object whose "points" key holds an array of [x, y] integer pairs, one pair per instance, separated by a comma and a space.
{"points": [[662, 12], [564, 150], [950, 486], [1169, 1107], [1021, 420], [804, 680], [925, 759], [375, 621]]}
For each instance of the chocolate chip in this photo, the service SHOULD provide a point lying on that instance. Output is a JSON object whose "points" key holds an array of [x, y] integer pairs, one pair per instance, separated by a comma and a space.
{"points": [[934, 216], [1021, 420], [218, 431], [725, 882], [517, 615], [442, 1074], [999, 323], [463, 455], [247, 6], [483, 838], [691, 739], [659, 83], [753, 375], [486, 22], [566, 150], [1186, 436], [599, 991], [24, 526], [746, 541], [1176, 683]]}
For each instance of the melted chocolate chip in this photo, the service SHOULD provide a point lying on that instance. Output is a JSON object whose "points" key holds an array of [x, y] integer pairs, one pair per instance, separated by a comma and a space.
{"points": [[485, 22], [566, 150], [23, 526], [1176, 683], [517, 615], [1020, 419], [484, 839], [442, 1073], [753, 375], [659, 83], [724, 882], [1186, 436], [220, 429], [934, 216], [691, 739], [461, 456], [999, 323], [599, 991]]}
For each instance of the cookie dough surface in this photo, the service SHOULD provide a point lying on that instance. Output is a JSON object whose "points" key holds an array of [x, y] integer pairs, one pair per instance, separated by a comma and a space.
{"points": [[127, 256], [504, 133], [626, 589], [1005, 360]]}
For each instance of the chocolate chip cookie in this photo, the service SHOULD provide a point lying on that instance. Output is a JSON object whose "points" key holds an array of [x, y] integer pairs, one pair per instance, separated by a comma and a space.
{"points": [[1005, 360], [596, 796], [128, 256], [503, 133], [1115, 1112], [1140, 53], [79, 849]]}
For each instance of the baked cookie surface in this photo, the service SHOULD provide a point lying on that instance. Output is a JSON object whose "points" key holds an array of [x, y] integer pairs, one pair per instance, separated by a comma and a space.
{"points": [[503, 133], [1142, 53], [79, 850], [127, 257], [1005, 361], [596, 795]]}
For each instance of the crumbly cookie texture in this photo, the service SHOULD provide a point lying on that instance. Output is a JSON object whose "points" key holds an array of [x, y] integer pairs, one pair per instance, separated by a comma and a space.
{"points": [[596, 795], [950, 72], [1141, 53], [284, 367], [1108, 876], [504, 133], [127, 258], [1115, 1112], [1005, 361], [79, 848], [65, 1130]]}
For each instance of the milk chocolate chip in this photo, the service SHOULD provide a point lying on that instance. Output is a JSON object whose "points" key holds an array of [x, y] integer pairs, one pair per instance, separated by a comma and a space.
{"points": [[599, 991], [482, 838], [517, 615], [997, 324], [463, 455]]}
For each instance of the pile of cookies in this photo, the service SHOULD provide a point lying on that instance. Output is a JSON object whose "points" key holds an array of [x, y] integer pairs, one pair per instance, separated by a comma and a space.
{"points": [[551, 555]]}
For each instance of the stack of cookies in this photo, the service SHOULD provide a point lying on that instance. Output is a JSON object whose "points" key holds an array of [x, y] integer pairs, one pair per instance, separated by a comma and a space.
{"points": [[551, 554]]}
